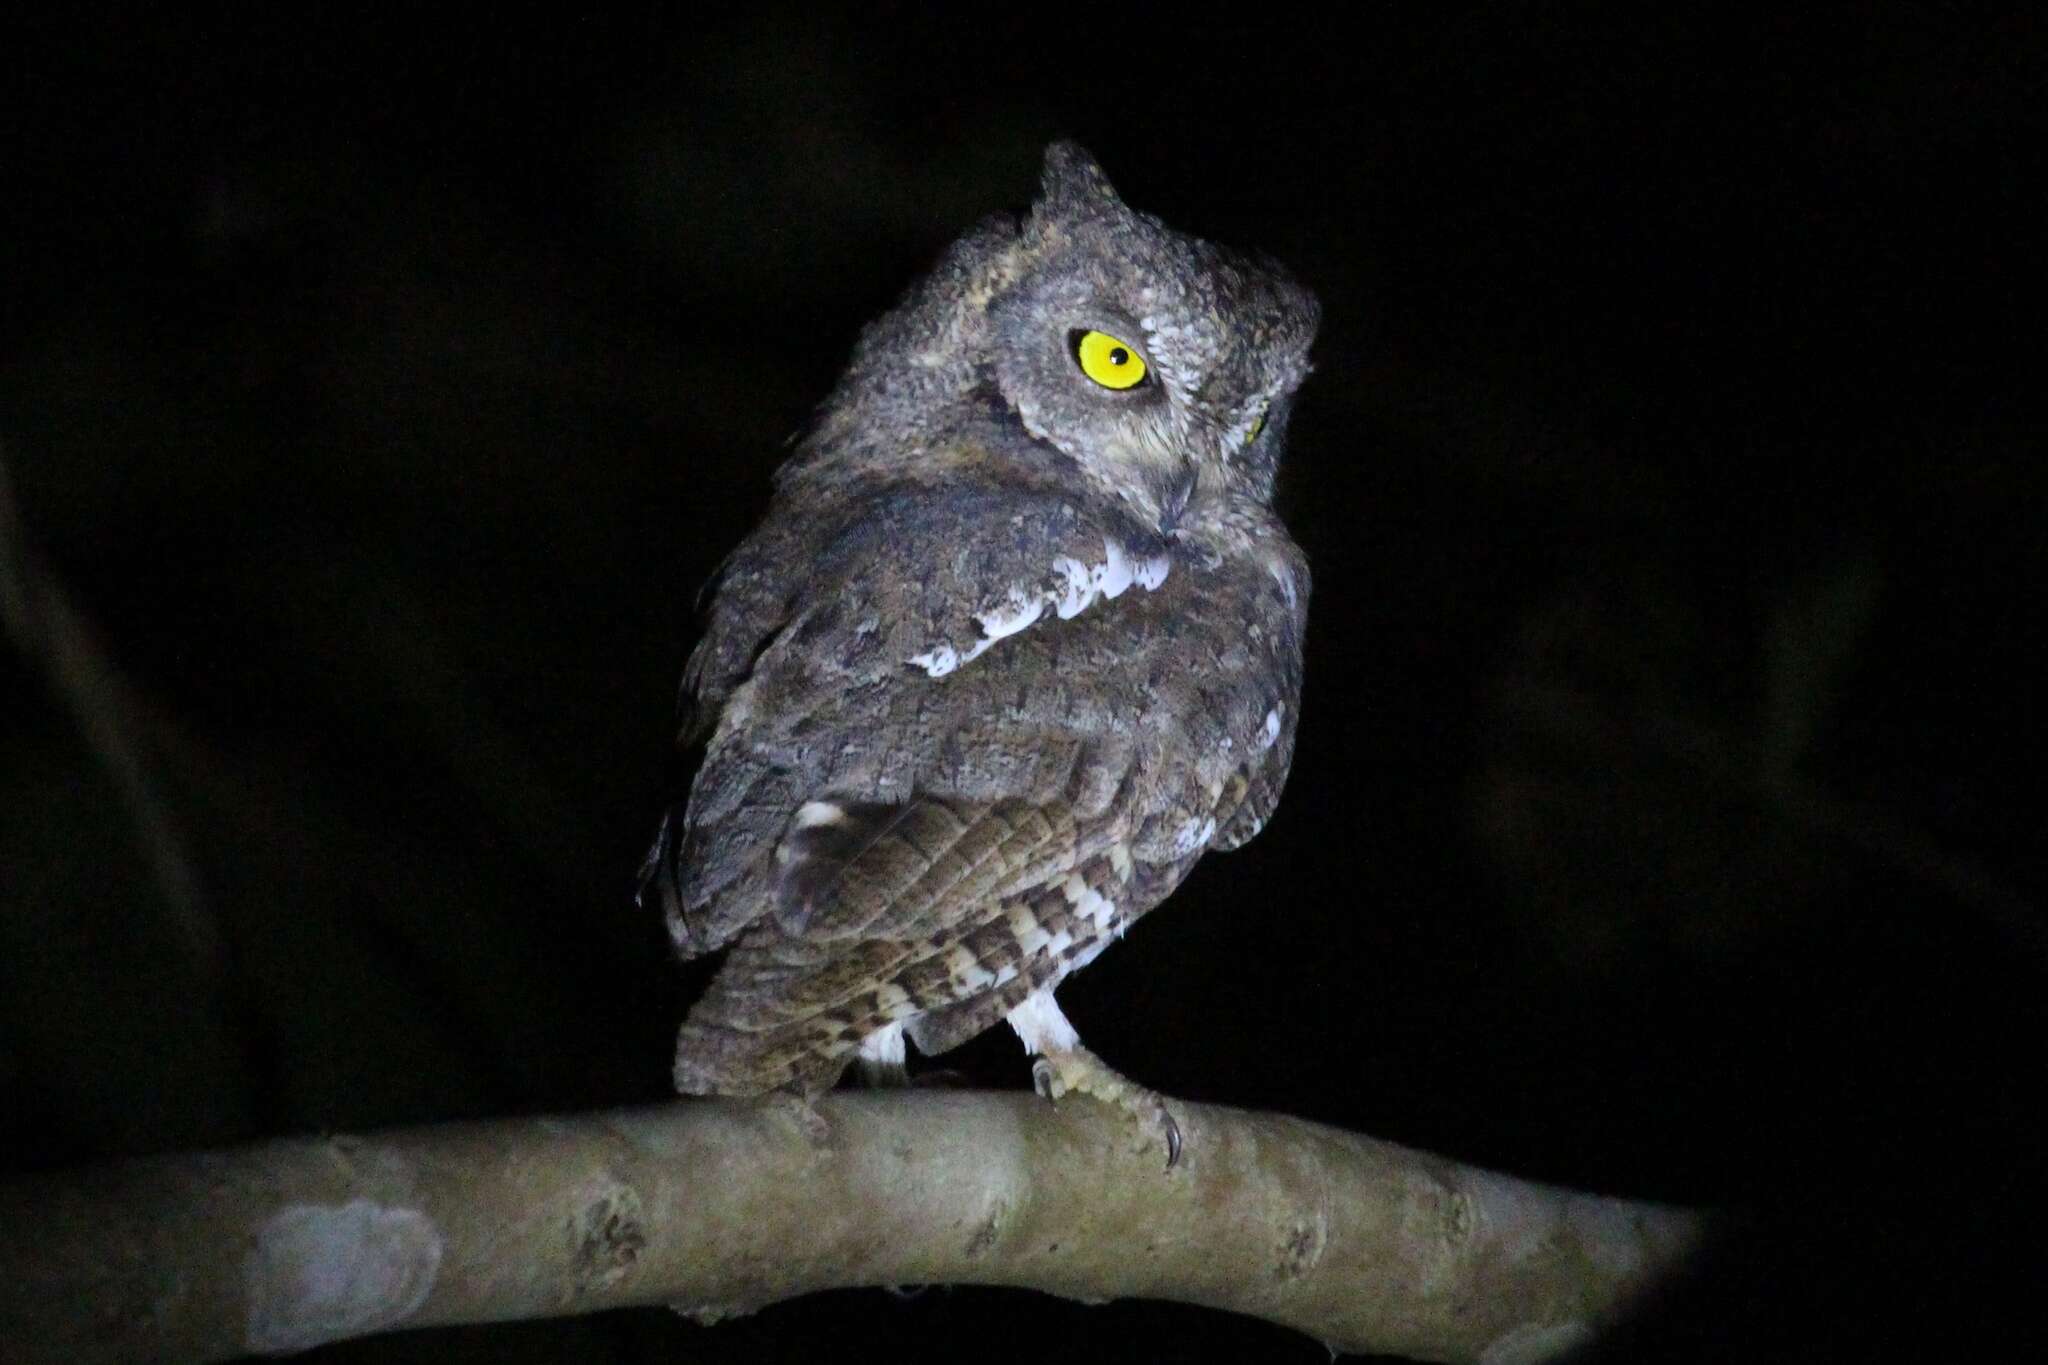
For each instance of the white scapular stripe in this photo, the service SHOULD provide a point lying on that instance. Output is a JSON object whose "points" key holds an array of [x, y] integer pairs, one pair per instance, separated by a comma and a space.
{"points": [[1075, 588]]}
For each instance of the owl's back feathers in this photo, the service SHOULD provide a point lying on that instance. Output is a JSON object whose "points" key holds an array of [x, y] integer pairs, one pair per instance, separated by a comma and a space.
{"points": [[999, 665]]}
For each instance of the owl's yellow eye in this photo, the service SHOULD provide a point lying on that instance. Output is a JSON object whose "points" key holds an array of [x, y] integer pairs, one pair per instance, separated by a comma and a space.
{"points": [[1258, 425], [1109, 362]]}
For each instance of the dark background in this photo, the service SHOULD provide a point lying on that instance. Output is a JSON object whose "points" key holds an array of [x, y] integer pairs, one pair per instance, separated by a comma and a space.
{"points": [[1666, 819]]}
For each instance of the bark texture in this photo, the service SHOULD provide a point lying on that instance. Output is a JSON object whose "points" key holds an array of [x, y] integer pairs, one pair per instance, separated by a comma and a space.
{"points": [[722, 1207]]}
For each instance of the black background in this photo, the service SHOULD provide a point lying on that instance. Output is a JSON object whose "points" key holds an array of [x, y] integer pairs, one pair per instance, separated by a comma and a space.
{"points": [[1666, 818]]}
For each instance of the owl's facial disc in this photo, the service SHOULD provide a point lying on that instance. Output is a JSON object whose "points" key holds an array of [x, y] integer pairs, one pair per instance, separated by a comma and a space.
{"points": [[1083, 377], [1150, 468], [1159, 475], [1136, 441]]}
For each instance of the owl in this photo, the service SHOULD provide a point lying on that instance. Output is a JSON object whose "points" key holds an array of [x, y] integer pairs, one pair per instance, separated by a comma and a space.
{"points": [[1018, 641]]}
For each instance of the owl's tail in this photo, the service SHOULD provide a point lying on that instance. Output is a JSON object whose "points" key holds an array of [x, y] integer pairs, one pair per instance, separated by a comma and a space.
{"points": [[757, 1030]]}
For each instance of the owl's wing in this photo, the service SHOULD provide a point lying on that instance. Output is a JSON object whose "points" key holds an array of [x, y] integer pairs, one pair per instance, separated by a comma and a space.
{"points": [[842, 663], [974, 647], [1251, 794], [857, 869], [936, 916]]}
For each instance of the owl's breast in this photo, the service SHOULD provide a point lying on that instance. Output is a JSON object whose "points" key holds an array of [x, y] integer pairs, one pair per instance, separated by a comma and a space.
{"points": [[1222, 697]]}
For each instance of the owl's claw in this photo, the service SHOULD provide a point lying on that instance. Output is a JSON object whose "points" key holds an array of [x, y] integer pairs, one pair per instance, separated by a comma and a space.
{"points": [[1080, 1071]]}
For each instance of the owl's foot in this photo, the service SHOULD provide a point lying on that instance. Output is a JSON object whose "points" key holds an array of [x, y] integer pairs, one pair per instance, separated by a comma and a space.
{"points": [[1079, 1071], [1061, 1066]]}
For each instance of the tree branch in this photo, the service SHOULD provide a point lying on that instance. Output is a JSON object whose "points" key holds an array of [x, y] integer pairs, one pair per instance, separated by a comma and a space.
{"points": [[722, 1207]]}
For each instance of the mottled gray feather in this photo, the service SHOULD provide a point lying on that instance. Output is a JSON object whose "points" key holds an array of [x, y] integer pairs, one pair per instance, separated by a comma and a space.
{"points": [[1022, 648]]}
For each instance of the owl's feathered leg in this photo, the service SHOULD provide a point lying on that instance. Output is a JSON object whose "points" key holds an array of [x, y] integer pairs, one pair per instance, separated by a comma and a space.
{"points": [[1061, 1066], [883, 1063]]}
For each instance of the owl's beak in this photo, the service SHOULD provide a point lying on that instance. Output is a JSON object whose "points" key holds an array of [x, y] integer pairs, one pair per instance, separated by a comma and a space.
{"points": [[1178, 494]]}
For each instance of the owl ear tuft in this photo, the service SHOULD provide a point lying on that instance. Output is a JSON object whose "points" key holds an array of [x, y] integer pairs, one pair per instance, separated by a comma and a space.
{"points": [[1074, 185]]}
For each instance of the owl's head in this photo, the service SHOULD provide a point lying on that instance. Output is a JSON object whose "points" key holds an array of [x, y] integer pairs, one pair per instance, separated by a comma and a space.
{"points": [[1161, 365]]}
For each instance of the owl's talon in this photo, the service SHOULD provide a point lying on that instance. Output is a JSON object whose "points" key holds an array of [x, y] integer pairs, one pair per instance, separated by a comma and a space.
{"points": [[1064, 1072]]}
